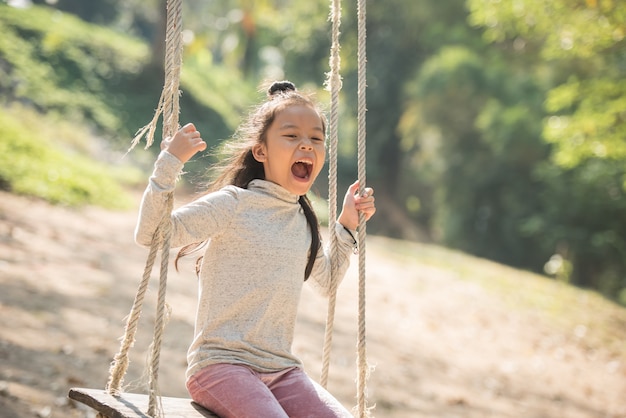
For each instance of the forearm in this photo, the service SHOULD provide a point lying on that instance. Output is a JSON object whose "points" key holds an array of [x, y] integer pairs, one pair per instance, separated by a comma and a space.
{"points": [[153, 204], [346, 246]]}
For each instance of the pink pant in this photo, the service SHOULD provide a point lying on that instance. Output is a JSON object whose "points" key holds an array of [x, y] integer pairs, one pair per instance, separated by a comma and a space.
{"points": [[236, 391]]}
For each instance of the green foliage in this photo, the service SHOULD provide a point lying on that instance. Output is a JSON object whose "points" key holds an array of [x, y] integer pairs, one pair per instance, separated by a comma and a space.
{"points": [[482, 127], [565, 28], [497, 125], [581, 196], [586, 38], [586, 231], [96, 77], [588, 120], [401, 37], [210, 92], [31, 164], [58, 63]]}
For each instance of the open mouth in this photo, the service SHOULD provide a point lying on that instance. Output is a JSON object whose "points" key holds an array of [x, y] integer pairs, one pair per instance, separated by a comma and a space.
{"points": [[302, 169]]}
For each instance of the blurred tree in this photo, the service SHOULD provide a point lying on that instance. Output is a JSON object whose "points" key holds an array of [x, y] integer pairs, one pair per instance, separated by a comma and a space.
{"points": [[401, 35], [502, 135], [481, 125], [587, 38], [144, 18], [582, 204], [135, 17], [103, 12]]}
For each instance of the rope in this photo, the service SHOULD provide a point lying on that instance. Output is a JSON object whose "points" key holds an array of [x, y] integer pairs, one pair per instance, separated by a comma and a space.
{"points": [[171, 110], [169, 107], [333, 83], [363, 368], [120, 361]]}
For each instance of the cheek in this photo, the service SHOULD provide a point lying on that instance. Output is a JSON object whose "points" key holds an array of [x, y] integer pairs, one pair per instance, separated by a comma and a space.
{"points": [[320, 150], [321, 159], [321, 156]]}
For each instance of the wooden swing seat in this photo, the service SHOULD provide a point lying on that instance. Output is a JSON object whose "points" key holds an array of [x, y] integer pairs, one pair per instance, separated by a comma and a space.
{"points": [[133, 405]]}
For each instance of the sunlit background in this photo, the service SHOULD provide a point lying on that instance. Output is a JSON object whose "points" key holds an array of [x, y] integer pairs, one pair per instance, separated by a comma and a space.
{"points": [[494, 127]]}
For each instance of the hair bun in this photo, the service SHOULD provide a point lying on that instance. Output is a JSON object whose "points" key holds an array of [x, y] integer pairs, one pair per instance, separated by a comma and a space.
{"points": [[280, 87]]}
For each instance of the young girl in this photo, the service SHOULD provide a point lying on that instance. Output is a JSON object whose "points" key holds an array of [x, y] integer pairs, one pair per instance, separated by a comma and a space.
{"points": [[263, 243]]}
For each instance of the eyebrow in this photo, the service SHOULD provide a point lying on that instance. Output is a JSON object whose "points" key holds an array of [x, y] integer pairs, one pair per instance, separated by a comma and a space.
{"points": [[292, 126]]}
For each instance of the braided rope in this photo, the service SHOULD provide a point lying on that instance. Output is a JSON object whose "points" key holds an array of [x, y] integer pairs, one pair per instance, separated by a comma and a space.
{"points": [[162, 313], [120, 361], [171, 110], [363, 368], [169, 107], [333, 83]]}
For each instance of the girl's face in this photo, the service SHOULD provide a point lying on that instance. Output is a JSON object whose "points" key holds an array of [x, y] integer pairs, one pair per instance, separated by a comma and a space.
{"points": [[294, 151]]}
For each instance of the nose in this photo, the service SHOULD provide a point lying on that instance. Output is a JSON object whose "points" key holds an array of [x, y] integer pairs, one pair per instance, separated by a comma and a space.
{"points": [[306, 144]]}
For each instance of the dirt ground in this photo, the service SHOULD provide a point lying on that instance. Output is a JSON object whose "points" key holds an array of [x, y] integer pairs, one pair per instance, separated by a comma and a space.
{"points": [[439, 346]]}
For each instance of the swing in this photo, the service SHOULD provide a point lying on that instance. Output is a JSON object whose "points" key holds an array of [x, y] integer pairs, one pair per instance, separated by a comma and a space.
{"points": [[112, 402], [132, 405]]}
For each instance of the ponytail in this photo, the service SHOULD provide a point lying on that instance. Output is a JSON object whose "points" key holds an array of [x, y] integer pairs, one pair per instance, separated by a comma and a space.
{"points": [[311, 219]]}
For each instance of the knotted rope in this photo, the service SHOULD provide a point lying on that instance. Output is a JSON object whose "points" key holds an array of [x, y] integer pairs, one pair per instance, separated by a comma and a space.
{"points": [[169, 108], [333, 83], [363, 367]]}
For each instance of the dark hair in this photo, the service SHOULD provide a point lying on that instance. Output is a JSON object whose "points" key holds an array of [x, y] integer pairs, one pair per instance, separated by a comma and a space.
{"points": [[238, 166]]}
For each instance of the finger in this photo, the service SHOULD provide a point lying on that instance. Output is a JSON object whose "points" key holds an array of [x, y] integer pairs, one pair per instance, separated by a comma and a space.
{"points": [[188, 128], [368, 192], [368, 210], [354, 188], [365, 207], [192, 132]]}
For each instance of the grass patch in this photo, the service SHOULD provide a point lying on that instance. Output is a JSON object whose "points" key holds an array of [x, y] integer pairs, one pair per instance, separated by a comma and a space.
{"points": [[582, 315], [56, 62], [35, 162]]}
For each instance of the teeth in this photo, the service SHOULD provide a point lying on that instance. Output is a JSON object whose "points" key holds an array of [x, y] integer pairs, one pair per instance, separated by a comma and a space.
{"points": [[305, 162]]}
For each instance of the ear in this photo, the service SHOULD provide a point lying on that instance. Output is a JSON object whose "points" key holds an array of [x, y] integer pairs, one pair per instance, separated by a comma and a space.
{"points": [[259, 152]]}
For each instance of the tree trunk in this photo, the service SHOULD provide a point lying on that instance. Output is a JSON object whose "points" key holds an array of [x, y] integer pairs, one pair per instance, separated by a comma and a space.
{"points": [[158, 40]]}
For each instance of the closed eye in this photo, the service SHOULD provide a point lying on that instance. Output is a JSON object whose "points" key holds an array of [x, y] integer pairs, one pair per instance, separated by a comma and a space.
{"points": [[294, 136]]}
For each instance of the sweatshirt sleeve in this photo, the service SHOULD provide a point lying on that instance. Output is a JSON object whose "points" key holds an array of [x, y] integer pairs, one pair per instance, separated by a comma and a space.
{"points": [[192, 223], [346, 245]]}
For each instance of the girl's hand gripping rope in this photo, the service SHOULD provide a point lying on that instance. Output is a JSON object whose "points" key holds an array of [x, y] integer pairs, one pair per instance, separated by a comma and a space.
{"points": [[185, 143], [353, 204]]}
